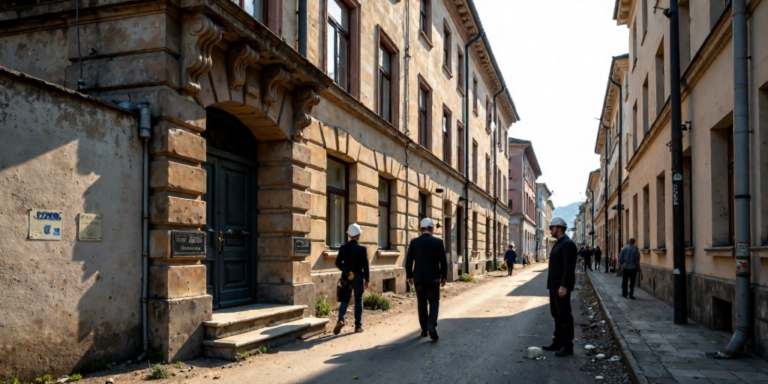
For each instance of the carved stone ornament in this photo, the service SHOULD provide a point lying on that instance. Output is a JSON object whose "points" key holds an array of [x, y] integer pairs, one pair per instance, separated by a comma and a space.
{"points": [[241, 56], [304, 99], [199, 36], [271, 77]]}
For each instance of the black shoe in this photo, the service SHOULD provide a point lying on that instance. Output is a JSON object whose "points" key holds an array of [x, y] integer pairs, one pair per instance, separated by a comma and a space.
{"points": [[564, 352], [625, 296], [358, 329], [551, 347], [338, 327], [433, 334], [631, 297], [424, 333]]}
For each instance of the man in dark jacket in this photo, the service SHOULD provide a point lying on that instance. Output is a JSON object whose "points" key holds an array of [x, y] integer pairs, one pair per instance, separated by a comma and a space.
{"points": [[629, 260], [352, 260], [509, 259], [598, 255], [426, 267], [587, 255], [560, 282]]}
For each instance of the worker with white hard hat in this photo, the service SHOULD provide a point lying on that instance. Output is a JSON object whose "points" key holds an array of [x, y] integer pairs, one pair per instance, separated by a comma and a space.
{"points": [[426, 267], [352, 260], [560, 282]]}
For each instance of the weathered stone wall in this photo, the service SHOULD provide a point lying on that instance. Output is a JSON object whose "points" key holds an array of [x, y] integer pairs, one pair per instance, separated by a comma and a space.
{"points": [[67, 302]]}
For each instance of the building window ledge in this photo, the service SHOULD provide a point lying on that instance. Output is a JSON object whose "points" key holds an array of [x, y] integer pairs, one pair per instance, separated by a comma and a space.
{"points": [[719, 251], [426, 40], [761, 251], [331, 254], [645, 250], [660, 251], [689, 251], [387, 253], [448, 71]]}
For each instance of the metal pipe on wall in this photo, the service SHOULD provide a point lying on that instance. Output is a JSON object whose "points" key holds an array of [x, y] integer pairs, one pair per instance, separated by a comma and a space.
{"points": [[497, 180], [619, 206], [406, 60], [145, 133], [465, 119], [741, 181]]}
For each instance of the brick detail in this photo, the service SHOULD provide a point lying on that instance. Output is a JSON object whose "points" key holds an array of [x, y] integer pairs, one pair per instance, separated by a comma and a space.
{"points": [[177, 143], [172, 210], [283, 223], [177, 281], [282, 175], [284, 199], [168, 175]]}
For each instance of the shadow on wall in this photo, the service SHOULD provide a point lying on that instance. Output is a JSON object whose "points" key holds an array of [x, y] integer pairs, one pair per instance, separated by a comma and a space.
{"points": [[68, 302]]}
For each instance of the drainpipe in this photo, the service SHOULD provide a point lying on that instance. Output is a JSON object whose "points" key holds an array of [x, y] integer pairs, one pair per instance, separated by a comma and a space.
{"points": [[592, 213], [303, 14], [620, 208], [495, 173], [466, 147], [741, 181], [145, 132], [406, 60], [605, 197]]}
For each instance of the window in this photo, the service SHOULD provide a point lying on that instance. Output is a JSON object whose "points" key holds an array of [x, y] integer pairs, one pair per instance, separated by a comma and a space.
{"points": [[488, 238], [646, 217], [474, 231], [488, 173], [474, 161], [389, 75], [425, 17], [447, 133], [661, 210], [634, 128], [660, 81], [460, 70], [731, 186], [488, 115], [722, 184], [645, 18], [716, 9], [384, 213], [338, 43], [336, 192], [634, 216], [684, 15], [425, 114], [687, 202], [474, 95], [422, 206], [646, 108], [634, 45], [447, 47], [461, 149]]}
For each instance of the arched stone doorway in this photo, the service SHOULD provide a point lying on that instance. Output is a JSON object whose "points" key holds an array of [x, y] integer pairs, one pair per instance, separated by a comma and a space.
{"points": [[230, 198]]}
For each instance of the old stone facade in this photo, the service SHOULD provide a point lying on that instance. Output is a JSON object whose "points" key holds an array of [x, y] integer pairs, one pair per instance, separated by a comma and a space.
{"points": [[707, 62], [544, 208], [523, 171], [270, 135]]}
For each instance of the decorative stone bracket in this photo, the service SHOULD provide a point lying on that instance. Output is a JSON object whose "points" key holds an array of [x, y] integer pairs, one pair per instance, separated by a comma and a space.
{"points": [[200, 34], [304, 99], [241, 56], [272, 76]]}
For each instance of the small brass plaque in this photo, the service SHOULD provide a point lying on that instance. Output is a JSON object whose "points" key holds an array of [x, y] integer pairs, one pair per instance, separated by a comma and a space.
{"points": [[90, 227]]}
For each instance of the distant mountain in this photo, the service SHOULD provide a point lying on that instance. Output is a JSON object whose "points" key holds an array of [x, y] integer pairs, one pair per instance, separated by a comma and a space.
{"points": [[568, 212]]}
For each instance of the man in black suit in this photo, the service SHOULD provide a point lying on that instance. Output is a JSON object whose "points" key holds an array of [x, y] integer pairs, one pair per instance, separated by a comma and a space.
{"points": [[560, 282], [426, 266], [352, 260]]}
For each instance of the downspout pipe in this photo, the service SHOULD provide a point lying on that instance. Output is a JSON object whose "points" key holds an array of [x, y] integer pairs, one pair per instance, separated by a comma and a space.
{"points": [[303, 16], [592, 213], [619, 206], [496, 189], [465, 119], [145, 133], [406, 61], [741, 181], [606, 245]]}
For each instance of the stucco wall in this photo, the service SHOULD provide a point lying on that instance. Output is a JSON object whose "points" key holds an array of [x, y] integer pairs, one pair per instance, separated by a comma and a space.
{"points": [[66, 302]]}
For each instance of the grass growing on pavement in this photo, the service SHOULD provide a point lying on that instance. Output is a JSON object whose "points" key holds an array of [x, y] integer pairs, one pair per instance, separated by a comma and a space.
{"points": [[159, 372], [44, 380], [242, 356], [322, 308], [467, 278], [376, 302], [75, 377]]}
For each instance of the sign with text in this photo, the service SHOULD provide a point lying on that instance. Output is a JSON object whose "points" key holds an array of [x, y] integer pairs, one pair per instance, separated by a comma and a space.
{"points": [[187, 243], [45, 224], [302, 246], [89, 227]]}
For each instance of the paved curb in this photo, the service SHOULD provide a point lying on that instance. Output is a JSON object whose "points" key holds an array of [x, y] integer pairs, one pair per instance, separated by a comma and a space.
{"points": [[635, 373]]}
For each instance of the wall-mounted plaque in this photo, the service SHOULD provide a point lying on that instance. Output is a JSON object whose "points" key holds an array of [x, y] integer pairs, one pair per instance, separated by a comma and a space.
{"points": [[187, 243], [45, 224], [89, 227], [302, 246]]}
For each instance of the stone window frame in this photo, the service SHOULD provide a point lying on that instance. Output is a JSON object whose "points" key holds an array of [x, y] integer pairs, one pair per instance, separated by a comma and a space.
{"points": [[447, 128], [661, 210], [447, 44], [461, 148], [474, 93], [388, 220], [354, 44], [422, 206], [425, 21], [722, 183], [475, 159], [460, 70], [335, 191], [425, 125], [488, 173], [488, 116], [384, 41], [474, 232]]}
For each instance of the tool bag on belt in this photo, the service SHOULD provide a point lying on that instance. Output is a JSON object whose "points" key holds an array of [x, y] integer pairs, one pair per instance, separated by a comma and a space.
{"points": [[344, 287]]}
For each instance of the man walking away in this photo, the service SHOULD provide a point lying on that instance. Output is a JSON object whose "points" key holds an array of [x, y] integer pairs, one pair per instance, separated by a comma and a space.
{"points": [[560, 282], [509, 259], [587, 258], [598, 254], [353, 263], [426, 267], [629, 259]]}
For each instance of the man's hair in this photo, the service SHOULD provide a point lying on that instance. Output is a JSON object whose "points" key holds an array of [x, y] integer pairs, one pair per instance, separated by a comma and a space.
{"points": [[632, 240], [509, 246]]}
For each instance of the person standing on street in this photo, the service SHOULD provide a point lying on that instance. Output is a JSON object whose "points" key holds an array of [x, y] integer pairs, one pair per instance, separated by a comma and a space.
{"points": [[353, 263], [509, 259], [598, 255], [426, 267], [560, 282], [587, 255], [629, 259]]}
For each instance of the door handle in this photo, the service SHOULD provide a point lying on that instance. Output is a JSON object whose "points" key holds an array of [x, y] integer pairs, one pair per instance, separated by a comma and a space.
{"points": [[221, 242], [237, 233]]}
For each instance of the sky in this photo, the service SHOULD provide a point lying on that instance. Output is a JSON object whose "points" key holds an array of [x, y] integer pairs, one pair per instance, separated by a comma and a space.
{"points": [[555, 56]]}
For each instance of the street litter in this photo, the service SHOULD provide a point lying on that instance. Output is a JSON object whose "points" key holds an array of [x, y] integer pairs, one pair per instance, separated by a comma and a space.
{"points": [[615, 358], [589, 346], [600, 356], [534, 353]]}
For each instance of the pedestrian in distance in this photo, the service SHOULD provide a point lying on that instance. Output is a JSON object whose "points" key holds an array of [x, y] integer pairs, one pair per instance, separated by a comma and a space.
{"points": [[353, 263], [587, 255], [426, 267], [580, 259], [560, 282], [629, 259], [598, 254], [509, 259]]}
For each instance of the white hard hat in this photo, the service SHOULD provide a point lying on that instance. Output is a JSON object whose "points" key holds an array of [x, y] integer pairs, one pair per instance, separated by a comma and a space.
{"points": [[427, 223], [354, 230], [558, 222]]}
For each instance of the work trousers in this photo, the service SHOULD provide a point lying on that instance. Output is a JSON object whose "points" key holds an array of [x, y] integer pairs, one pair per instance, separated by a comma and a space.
{"points": [[357, 287], [428, 293], [628, 275], [560, 308], [510, 267], [597, 263]]}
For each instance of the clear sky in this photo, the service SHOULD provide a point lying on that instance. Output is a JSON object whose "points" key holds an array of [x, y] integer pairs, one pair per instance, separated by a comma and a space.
{"points": [[555, 56]]}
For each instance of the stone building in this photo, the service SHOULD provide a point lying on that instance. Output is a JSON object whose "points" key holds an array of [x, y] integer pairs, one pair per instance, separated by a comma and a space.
{"points": [[592, 207], [707, 88], [274, 124], [523, 171], [544, 209]]}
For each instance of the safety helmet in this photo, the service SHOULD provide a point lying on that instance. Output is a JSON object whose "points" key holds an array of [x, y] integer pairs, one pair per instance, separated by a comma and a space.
{"points": [[427, 223], [354, 230], [558, 222]]}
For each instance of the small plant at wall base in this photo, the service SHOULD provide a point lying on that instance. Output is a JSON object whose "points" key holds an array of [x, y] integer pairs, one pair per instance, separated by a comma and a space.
{"points": [[322, 308], [262, 349], [75, 377], [44, 380], [179, 364], [375, 301], [467, 278], [159, 372], [155, 355], [242, 356]]}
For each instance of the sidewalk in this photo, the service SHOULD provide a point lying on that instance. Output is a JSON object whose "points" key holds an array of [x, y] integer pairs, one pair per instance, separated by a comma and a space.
{"points": [[659, 351]]}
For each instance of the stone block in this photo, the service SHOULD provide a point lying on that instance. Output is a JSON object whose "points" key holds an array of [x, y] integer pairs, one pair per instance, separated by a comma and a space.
{"points": [[288, 151], [283, 223], [318, 182], [174, 142], [319, 230], [400, 204], [367, 157], [313, 133], [296, 294], [176, 281], [126, 72], [160, 247], [284, 272], [284, 199], [111, 37], [369, 236], [318, 205], [175, 325], [318, 157], [279, 246], [287, 175], [173, 210], [362, 174], [362, 194], [364, 215], [166, 175], [174, 108], [402, 188]]}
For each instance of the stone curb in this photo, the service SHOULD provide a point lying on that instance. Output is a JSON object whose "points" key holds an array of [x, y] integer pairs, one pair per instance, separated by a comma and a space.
{"points": [[635, 373]]}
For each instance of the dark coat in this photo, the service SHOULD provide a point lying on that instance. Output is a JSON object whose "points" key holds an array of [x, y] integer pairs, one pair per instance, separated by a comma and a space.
{"points": [[510, 256], [598, 253], [426, 261], [354, 258], [562, 265]]}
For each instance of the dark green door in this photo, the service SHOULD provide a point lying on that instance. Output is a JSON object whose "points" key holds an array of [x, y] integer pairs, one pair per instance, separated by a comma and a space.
{"points": [[230, 205]]}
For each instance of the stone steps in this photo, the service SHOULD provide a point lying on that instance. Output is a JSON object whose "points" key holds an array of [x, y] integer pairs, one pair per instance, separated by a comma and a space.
{"points": [[234, 321]]}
